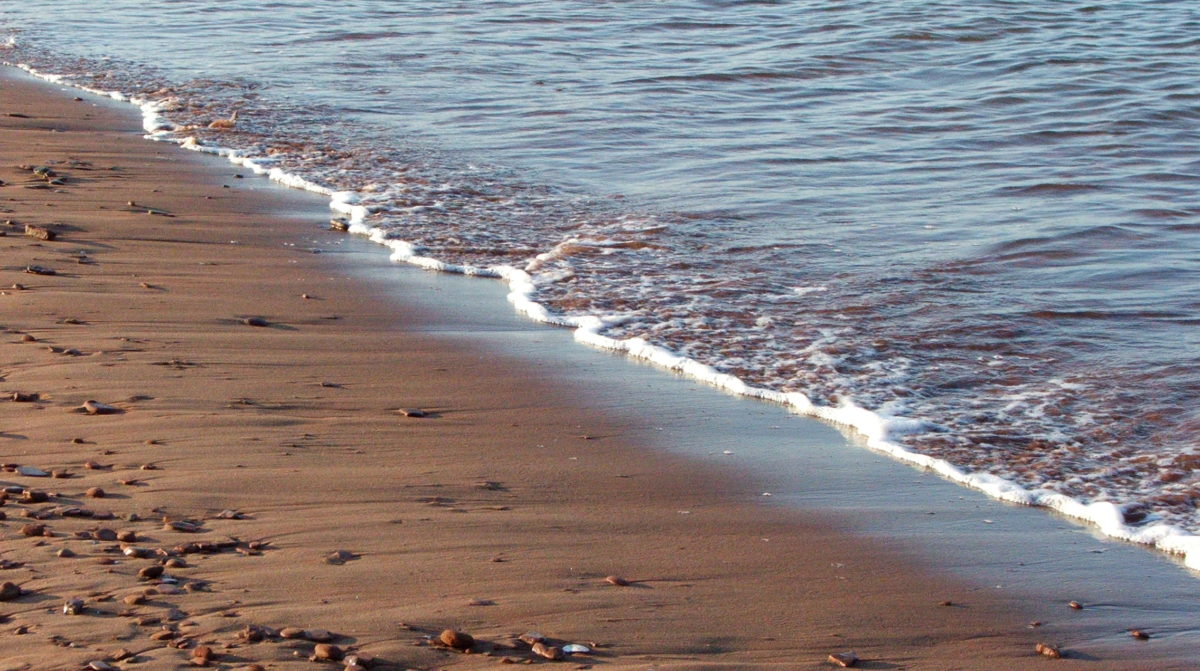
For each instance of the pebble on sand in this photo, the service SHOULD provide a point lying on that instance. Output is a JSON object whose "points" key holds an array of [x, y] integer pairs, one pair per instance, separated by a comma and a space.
{"points": [[616, 580], [456, 639], [327, 651], [34, 496], [73, 606], [202, 656], [1139, 634], [339, 557], [10, 591], [413, 412], [151, 572], [1075, 604], [95, 492], [318, 635], [255, 321], [548, 651], [1050, 651], [843, 659], [32, 530], [92, 407]]}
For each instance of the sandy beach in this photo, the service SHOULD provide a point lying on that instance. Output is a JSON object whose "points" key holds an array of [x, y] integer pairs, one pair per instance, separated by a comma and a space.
{"points": [[252, 470]]}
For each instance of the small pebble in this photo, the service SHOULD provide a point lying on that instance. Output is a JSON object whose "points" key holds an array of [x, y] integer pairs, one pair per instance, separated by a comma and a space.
{"points": [[1075, 604], [95, 492], [151, 572], [616, 580], [456, 639], [1048, 651], [548, 651], [843, 659], [327, 651], [10, 591]]}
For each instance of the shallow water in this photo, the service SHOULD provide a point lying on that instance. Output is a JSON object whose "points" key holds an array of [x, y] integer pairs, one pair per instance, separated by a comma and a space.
{"points": [[980, 215]]}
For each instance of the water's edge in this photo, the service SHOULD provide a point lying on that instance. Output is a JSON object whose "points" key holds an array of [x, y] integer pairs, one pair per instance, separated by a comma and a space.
{"points": [[877, 431]]}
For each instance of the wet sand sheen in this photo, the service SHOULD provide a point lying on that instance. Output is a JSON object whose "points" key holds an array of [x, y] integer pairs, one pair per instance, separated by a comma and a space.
{"points": [[501, 511]]}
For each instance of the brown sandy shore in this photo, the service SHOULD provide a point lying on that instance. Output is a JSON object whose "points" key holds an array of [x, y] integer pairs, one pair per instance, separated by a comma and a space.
{"points": [[473, 518]]}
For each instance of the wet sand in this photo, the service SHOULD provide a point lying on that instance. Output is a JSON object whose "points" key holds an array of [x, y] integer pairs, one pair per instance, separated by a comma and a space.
{"points": [[256, 392]]}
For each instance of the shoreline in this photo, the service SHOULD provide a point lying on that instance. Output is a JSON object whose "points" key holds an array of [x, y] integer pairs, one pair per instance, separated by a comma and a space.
{"points": [[874, 431], [155, 313]]}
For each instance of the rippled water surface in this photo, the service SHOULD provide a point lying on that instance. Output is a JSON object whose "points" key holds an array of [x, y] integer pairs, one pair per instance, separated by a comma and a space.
{"points": [[984, 215]]}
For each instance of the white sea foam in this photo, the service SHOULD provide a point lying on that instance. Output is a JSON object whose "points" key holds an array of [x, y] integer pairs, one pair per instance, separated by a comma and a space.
{"points": [[879, 431]]}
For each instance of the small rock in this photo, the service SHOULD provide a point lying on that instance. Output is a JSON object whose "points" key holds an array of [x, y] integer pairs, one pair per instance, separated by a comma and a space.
{"points": [[127, 536], [1075, 604], [164, 634], [413, 412], [1139, 634], [291, 632], [39, 270], [318, 635], [10, 591], [253, 633], [60, 474], [456, 639], [151, 572], [339, 557], [327, 651], [185, 527], [547, 651], [843, 659], [119, 654], [40, 232], [134, 599], [1048, 651], [34, 496], [73, 606], [95, 492], [100, 665], [98, 408], [32, 530], [230, 515], [255, 321], [65, 553], [32, 472], [616, 580], [104, 535], [532, 637], [202, 656]]}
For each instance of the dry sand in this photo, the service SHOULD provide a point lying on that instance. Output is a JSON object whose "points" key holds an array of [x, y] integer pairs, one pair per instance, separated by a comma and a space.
{"points": [[475, 517]]}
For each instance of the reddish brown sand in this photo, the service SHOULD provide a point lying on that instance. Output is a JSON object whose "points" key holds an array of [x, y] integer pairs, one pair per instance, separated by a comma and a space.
{"points": [[472, 518]]}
